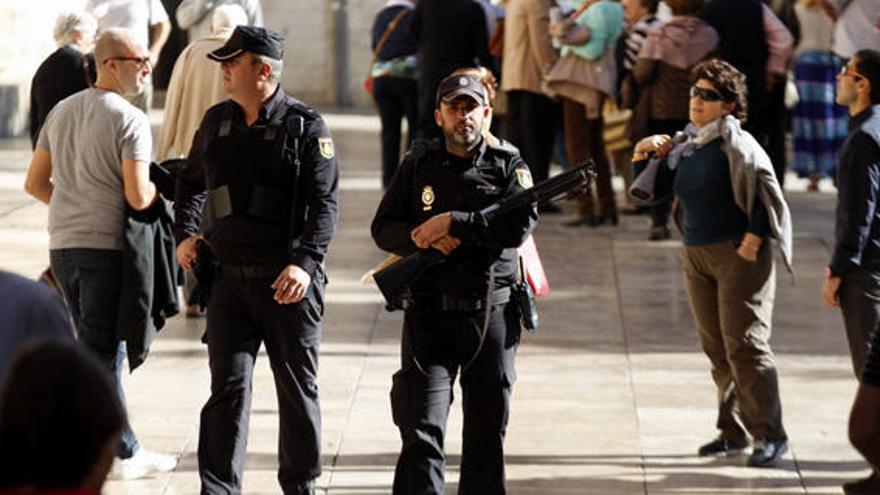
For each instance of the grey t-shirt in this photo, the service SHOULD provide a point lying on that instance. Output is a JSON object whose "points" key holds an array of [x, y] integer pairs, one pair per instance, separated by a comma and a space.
{"points": [[88, 135]]}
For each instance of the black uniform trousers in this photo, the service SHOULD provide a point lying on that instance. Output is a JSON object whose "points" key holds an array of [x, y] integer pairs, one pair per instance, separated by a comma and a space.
{"points": [[241, 315], [396, 98], [435, 345], [531, 126]]}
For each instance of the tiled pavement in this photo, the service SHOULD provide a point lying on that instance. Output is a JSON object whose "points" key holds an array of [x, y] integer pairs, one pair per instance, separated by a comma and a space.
{"points": [[613, 395]]}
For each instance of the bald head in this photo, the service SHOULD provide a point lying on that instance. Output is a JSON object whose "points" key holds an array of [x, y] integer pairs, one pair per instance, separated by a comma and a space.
{"points": [[114, 42]]}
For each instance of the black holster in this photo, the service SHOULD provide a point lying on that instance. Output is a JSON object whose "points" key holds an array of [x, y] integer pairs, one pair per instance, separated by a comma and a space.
{"points": [[204, 268], [522, 294]]}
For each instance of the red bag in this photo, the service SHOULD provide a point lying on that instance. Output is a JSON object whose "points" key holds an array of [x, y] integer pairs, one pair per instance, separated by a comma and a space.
{"points": [[533, 267], [368, 84]]}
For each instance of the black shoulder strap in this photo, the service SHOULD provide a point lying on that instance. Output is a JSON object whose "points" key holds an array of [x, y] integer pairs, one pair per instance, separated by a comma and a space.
{"points": [[294, 126]]}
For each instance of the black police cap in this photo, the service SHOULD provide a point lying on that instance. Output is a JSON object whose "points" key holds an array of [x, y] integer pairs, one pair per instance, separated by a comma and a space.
{"points": [[456, 85], [257, 40]]}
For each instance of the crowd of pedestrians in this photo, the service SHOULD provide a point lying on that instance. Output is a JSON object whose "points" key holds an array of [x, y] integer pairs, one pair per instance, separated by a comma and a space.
{"points": [[493, 94]]}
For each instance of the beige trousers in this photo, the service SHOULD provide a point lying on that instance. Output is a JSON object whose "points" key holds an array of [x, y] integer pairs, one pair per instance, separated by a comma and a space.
{"points": [[732, 303]]}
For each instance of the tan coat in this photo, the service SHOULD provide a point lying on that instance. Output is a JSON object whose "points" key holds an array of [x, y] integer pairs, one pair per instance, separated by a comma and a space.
{"points": [[196, 85], [527, 45]]}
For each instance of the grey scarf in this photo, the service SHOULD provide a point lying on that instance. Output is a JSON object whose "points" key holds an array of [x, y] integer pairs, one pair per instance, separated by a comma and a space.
{"points": [[751, 175]]}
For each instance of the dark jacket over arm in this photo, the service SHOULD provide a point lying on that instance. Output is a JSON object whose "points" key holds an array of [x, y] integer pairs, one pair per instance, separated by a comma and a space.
{"points": [[149, 280]]}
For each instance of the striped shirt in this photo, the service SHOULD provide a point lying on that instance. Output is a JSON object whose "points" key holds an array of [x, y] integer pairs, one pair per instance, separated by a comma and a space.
{"points": [[635, 37]]}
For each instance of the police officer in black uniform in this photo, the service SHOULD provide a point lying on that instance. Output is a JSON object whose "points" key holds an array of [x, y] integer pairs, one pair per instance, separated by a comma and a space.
{"points": [[458, 316], [265, 164]]}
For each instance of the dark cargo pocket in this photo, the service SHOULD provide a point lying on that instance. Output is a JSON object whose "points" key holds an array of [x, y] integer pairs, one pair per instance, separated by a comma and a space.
{"points": [[404, 393]]}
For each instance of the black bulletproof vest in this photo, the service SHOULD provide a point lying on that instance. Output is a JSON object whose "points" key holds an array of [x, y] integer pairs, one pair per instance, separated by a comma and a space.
{"points": [[251, 187]]}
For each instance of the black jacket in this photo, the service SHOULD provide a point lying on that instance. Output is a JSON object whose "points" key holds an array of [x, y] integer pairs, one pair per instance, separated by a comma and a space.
{"points": [[149, 280], [431, 181], [400, 42], [65, 72], [243, 237], [451, 34], [743, 43], [857, 226]]}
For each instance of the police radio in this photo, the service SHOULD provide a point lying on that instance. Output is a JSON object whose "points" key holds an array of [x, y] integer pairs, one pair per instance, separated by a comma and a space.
{"points": [[524, 297]]}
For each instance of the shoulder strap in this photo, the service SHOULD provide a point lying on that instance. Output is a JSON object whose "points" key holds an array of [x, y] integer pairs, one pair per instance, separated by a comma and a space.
{"points": [[388, 30], [294, 126]]}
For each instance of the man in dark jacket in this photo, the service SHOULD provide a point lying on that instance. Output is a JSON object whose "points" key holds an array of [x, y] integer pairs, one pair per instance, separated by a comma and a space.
{"points": [[460, 315], [66, 71], [266, 165], [852, 280], [451, 34]]}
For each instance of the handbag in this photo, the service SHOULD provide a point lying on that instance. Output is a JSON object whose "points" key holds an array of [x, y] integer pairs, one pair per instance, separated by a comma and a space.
{"points": [[572, 72], [368, 81], [533, 268]]}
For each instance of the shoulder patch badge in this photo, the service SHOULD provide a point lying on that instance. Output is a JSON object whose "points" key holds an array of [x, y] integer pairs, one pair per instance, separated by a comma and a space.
{"points": [[427, 198], [325, 146], [524, 178]]}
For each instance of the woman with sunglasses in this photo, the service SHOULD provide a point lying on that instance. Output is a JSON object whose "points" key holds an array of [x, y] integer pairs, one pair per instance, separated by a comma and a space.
{"points": [[732, 204]]}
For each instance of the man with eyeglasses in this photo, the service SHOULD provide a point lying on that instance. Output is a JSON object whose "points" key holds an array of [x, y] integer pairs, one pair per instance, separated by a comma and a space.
{"points": [[148, 23], [852, 278], [91, 162]]}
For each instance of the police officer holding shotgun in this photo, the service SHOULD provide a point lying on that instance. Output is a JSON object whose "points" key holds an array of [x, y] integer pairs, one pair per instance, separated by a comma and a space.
{"points": [[459, 317], [266, 164]]}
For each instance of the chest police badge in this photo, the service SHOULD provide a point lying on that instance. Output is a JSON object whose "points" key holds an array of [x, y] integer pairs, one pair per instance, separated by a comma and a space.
{"points": [[524, 178], [427, 198], [325, 146]]}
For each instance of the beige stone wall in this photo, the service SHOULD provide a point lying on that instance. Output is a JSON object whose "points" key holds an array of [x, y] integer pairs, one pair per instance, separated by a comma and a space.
{"points": [[361, 14], [307, 25]]}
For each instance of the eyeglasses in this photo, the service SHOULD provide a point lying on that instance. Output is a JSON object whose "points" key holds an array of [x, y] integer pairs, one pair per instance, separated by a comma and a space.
{"points": [[140, 61], [705, 94], [844, 71]]}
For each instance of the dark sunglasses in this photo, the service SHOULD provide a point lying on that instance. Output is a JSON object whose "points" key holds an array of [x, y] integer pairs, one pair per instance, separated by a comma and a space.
{"points": [[705, 94], [140, 61]]}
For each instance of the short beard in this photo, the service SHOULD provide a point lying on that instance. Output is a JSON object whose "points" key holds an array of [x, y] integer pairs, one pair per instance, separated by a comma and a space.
{"points": [[465, 139]]}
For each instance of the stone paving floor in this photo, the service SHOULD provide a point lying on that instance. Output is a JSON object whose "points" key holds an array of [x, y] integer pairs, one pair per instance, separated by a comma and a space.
{"points": [[613, 394]]}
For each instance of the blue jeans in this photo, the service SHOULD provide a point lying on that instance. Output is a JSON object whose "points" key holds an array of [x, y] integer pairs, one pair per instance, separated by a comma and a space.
{"points": [[91, 280]]}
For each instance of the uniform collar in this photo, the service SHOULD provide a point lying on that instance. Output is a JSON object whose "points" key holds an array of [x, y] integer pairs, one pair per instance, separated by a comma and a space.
{"points": [[272, 106], [858, 119], [272, 110]]}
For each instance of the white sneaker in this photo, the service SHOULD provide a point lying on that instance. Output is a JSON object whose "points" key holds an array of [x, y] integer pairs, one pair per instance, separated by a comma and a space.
{"points": [[143, 463]]}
